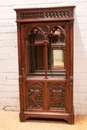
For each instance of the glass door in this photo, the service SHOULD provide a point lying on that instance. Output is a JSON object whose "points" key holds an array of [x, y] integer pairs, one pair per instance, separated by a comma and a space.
{"points": [[45, 50]]}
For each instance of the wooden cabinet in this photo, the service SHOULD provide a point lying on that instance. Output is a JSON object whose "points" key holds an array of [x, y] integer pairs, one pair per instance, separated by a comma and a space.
{"points": [[45, 51]]}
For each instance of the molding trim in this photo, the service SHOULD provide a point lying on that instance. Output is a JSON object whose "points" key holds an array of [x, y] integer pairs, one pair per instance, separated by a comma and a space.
{"points": [[58, 13]]}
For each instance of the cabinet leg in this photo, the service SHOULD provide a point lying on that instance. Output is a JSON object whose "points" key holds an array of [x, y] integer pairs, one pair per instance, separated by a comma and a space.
{"points": [[71, 119], [22, 117]]}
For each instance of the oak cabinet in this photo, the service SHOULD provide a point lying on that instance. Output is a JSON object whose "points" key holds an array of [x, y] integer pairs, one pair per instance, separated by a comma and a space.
{"points": [[45, 51]]}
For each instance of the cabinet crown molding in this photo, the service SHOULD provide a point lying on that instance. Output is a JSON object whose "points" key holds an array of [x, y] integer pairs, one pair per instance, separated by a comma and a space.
{"points": [[46, 14]]}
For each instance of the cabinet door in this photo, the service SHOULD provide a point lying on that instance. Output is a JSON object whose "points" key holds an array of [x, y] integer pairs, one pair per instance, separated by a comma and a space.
{"points": [[57, 95], [45, 58], [46, 46], [35, 96]]}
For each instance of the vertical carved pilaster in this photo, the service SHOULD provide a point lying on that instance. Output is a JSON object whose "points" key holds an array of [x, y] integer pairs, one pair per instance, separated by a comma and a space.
{"points": [[71, 47], [71, 23], [18, 26]]}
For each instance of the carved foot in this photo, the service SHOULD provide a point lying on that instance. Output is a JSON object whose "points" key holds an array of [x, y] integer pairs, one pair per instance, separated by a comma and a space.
{"points": [[22, 117], [71, 119]]}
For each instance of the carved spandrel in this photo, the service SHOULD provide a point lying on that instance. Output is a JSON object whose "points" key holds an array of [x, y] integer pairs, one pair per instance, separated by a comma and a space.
{"points": [[45, 32], [35, 96], [40, 31], [57, 95]]}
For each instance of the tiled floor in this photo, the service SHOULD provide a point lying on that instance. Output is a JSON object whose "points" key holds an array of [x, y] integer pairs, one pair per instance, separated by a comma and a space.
{"points": [[10, 121]]}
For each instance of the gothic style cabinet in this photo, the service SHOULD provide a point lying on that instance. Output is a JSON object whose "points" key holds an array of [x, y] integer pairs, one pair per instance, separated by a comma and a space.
{"points": [[45, 50]]}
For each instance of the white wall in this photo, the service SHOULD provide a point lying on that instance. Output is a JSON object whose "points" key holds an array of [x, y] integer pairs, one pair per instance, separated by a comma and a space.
{"points": [[9, 91]]}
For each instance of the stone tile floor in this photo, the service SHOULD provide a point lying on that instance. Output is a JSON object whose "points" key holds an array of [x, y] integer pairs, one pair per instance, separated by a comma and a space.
{"points": [[10, 121]]}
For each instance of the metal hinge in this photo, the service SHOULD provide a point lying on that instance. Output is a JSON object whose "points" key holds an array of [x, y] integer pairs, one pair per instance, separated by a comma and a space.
{"points": [[71, 79]]}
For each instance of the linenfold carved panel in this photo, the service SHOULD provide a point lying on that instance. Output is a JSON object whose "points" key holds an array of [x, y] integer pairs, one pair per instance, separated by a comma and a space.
{"points": [[35, 95], [57, 95]]}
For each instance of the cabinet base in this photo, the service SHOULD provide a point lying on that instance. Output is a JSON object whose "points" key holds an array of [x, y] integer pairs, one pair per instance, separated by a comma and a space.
{"points": [[66, 116]]}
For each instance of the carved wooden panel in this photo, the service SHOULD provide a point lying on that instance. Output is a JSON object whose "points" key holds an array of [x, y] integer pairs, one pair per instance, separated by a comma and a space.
{"points": [[46, 33], [57, 95], [35, 95], [48, 13]]}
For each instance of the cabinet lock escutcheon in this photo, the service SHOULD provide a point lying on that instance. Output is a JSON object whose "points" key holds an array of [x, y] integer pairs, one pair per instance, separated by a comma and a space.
{"points": [[71, 79]]}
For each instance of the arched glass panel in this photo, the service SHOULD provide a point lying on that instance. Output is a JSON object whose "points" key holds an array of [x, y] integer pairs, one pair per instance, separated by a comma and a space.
{"points": [[38, 49], [56, 48]]}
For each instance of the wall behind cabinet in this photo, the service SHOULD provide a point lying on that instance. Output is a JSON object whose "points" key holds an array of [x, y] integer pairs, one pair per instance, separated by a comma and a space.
{"points": [[9, 91]]}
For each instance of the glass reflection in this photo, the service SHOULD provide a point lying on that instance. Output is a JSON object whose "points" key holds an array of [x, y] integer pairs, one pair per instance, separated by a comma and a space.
{"points": [[57, 36], [58, 60]]}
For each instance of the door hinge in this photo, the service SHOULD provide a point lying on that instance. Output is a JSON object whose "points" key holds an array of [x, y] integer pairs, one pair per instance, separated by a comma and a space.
{"points": [[71, 79]]}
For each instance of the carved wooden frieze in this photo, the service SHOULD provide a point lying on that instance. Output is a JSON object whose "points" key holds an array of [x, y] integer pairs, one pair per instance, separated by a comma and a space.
{"points": [[57, 95], [35, 95], [45, 13], [48, 14]]}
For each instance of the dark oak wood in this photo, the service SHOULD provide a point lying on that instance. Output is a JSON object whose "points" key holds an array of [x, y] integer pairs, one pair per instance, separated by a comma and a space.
{"points": [[45, 51]]}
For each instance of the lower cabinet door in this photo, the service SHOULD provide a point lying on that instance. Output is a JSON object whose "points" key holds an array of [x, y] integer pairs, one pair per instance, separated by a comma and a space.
{"points": [[35, 96], [57, 94], [45, 96], [48, 99]]}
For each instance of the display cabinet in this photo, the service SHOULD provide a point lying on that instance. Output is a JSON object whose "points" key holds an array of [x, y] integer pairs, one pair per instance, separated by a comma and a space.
{"points": [[45, 51]]}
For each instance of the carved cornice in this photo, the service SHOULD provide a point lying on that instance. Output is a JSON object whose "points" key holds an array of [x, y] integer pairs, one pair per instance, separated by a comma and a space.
{"points": [[45, 13]]}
